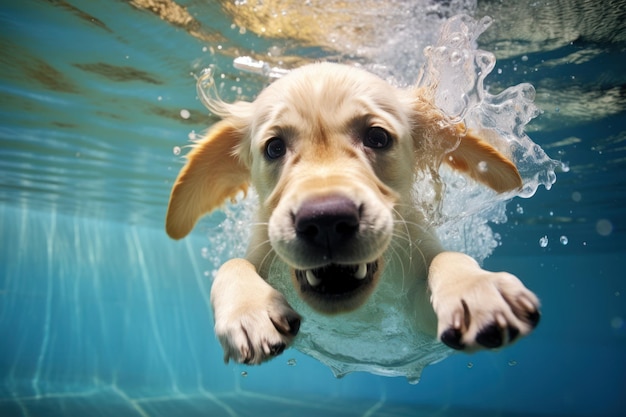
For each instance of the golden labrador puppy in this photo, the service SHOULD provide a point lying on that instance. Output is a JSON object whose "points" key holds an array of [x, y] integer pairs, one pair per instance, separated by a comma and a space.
{"points": [[333, 152]]}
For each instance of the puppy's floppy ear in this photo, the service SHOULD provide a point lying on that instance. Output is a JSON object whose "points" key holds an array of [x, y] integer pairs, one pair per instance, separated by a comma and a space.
{"points": [[213, 173], [481, 161], [463, 150]]}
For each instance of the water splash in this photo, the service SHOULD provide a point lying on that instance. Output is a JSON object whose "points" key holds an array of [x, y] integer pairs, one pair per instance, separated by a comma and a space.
{"points": [[455, 68], [454, 72], [246, 63]]}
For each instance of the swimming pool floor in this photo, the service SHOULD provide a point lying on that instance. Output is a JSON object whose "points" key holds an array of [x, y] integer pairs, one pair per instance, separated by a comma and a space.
{"points": [[106, 403]]}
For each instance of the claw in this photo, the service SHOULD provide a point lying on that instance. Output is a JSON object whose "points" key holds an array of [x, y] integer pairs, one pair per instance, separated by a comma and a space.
{"points": [[513, 333], [490, 336], [276, 349], [294, 325], [452, 338], [287, 325], [533, 318]]}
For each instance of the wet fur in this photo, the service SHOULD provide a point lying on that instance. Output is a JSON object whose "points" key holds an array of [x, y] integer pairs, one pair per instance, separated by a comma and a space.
{"points": [[322, 112]]}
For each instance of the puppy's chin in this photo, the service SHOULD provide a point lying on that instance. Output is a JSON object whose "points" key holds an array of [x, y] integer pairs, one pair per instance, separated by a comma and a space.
{"points": [[336, 288]]}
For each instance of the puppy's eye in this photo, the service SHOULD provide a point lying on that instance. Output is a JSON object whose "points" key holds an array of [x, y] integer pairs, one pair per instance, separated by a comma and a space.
{"points": [[275, 148], [377, 138]]}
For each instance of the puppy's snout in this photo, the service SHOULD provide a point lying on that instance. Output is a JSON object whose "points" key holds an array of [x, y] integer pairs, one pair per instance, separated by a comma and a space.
{"points": [[327, 222]]}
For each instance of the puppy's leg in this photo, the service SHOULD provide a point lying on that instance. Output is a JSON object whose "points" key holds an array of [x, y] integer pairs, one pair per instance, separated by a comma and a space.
{"points": [[477, 308], [253, 321]]}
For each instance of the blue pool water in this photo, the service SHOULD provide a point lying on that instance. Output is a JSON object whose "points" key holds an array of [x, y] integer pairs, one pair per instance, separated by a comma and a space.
{"points": [[102, 314]]}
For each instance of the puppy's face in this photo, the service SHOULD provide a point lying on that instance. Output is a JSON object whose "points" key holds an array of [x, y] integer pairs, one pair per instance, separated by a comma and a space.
{"points": [[332, 152]]}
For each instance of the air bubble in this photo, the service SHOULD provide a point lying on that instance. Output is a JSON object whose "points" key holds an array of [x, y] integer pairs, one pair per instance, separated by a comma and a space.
{"points": [[185, 114], [470, 365], [292, 362], [244, 374], [604, 227], [617, 322], [176, 150], [564, 241], [512, 363], [543, 242]]}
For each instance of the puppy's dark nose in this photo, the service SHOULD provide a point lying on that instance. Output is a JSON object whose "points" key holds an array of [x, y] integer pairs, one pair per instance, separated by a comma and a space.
{"points": [[327, 221]]}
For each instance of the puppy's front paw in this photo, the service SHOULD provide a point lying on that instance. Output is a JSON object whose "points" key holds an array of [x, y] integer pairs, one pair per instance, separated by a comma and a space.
{"points": [[484, 310], [257, 330]]}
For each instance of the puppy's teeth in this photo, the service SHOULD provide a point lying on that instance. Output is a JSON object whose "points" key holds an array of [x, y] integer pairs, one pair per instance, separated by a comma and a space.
{"points": [[361, 272], [312, 279]]}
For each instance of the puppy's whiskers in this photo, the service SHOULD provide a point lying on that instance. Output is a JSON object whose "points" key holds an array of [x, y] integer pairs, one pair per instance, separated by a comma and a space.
{"points": [[274, 259], [394, 251], [260, 247]]}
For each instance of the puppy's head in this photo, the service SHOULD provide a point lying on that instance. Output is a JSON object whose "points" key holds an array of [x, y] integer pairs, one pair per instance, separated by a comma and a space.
{"points": [[332, 151]]}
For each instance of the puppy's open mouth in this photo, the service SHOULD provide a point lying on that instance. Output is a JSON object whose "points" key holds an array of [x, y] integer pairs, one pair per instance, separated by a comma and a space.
{"points": [[332, 286]]}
